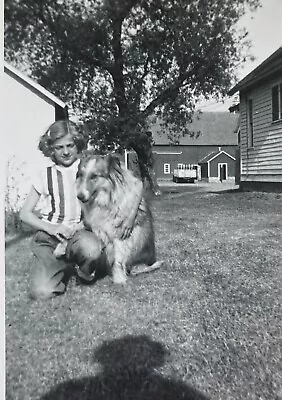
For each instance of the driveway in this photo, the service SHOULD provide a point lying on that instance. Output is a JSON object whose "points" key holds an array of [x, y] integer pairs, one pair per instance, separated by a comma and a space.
{"points": [[172, 187]]}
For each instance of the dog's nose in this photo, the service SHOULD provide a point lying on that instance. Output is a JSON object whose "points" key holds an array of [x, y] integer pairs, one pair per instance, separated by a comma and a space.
{"points": [[81, 196]]}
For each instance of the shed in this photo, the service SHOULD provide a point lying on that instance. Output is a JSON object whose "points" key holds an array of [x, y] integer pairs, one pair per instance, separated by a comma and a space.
{"points": [[218, 165], [28, 109]]}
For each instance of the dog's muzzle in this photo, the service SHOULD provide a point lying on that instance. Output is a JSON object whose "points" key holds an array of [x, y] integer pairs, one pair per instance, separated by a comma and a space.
{"points": [[83, 197]]}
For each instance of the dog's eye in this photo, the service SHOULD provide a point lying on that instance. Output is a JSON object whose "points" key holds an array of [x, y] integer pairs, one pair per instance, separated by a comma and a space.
{"points": [[93, 177]]}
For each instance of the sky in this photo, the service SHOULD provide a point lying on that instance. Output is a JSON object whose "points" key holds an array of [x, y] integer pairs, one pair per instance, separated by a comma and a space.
{"points": [[265, 31]]}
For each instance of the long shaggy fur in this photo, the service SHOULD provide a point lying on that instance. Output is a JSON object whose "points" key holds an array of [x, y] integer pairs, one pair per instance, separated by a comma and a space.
{"points": [[106, 191]]}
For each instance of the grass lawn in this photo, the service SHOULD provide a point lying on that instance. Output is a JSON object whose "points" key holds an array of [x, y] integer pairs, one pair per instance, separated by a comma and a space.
{"points": [[206, 326]]}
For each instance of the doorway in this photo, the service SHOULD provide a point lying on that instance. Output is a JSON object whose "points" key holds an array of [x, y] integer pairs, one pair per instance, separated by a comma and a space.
{"points": [[222, 171]]}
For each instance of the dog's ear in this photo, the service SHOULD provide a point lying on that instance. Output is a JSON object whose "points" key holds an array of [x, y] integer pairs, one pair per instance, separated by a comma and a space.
{"points": [[113, 162], [87, 153], [114, 168]]}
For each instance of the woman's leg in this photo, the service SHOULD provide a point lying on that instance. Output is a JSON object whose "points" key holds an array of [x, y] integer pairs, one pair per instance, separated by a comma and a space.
{"points": [[49, 274], [86, 250]]}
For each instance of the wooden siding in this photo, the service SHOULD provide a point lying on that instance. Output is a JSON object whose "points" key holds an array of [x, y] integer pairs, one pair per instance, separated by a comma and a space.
{"points": [[263, 161]]}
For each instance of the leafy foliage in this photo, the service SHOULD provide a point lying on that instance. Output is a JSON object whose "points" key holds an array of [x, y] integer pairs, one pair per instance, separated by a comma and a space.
{"points": [[120, 62]]}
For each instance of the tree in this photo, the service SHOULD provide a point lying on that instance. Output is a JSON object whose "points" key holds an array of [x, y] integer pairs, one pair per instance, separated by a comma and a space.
{"points": [[122, 63]]}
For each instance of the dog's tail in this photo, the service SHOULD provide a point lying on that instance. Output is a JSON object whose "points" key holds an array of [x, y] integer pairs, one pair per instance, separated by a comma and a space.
{"points": [[143, 269]]}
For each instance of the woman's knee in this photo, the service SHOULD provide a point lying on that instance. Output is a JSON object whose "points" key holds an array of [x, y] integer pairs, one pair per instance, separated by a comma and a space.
{"points": [[85, 244], [46, 291], [41, 293]]}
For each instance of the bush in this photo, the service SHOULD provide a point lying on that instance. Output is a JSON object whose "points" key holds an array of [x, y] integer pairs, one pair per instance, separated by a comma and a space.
{"points": [[17, 186], [13, 223]]}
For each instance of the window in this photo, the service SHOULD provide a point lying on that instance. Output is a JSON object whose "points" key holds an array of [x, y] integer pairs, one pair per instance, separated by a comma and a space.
{"points": [[277, 102], [166, 168], [250, 124]]}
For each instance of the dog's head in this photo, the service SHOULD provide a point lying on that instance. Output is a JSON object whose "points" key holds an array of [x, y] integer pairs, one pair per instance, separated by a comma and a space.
{"points": [[97, 173]]}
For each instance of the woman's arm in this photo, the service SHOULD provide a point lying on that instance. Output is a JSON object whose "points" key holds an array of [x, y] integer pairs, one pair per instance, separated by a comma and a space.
{"points": [[131, 203], [28, 216]]}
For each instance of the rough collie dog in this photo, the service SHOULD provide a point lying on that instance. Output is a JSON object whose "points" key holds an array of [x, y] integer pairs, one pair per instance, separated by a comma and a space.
{"points": [[107, 191]]}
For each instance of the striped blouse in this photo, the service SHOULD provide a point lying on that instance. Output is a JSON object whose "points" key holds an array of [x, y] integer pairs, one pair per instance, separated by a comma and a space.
{"points": [[56, 184]]}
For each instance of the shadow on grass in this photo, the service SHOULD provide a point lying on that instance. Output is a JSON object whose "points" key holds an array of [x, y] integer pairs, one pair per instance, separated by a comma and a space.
{"points": [[16, 239], [224, 191], [128, 373]]}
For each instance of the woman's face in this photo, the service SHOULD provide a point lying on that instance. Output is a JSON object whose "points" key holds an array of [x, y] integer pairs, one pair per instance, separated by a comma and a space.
{"points": [[65, 151]]}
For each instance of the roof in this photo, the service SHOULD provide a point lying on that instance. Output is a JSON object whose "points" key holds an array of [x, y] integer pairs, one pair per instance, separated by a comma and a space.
{"points": [[215, 128], [267, 68], [31, 84], [214, 155]]}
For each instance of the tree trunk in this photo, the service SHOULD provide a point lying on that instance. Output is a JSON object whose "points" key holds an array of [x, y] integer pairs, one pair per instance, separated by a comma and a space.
{"points": [[153, 183], [145, 162]]}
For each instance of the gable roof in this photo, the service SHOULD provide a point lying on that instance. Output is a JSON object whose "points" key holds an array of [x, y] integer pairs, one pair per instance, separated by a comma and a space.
{"points": [[215, 128], [32, 85], [214, 155], [270, 66]]}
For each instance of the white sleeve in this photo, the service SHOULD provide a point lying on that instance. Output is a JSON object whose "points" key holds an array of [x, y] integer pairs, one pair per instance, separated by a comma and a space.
{"points": [[38, 182]]}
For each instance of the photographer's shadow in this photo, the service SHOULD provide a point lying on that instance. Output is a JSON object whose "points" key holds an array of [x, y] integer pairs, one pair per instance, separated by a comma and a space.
{"points": [[128, 374]]}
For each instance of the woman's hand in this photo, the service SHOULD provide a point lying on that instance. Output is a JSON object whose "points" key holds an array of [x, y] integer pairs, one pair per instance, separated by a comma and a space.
{"points": [[60, 231], [126, 227]]}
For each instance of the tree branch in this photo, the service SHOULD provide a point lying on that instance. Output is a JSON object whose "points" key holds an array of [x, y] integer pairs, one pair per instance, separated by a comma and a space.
{"points": [[120, 8], [141, 81], [117, 70], [169, 92]]}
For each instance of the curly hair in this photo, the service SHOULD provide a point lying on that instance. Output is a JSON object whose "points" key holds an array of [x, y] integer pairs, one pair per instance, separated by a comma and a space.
{"points": [[58, 130]]}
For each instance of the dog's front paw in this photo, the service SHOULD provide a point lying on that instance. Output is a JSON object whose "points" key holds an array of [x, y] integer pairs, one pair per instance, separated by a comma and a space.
{"points": [[119, 275]]}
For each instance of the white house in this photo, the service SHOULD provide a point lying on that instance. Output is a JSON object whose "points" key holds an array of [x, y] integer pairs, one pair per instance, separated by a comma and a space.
{"points": [[261, 125]]}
